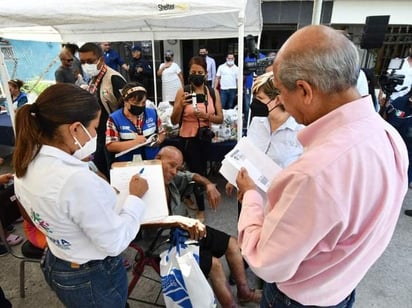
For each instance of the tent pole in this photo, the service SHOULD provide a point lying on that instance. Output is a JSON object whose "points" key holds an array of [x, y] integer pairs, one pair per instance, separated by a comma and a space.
{"points": [[5, 84], [241, 29], [317, 12], [154, 72]]}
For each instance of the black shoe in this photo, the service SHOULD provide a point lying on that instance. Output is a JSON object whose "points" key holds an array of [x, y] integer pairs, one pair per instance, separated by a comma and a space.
{"points": [[408, 213]]}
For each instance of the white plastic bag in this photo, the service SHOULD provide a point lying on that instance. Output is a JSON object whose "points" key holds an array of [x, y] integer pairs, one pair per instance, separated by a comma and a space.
{"points": [[183, 282]]}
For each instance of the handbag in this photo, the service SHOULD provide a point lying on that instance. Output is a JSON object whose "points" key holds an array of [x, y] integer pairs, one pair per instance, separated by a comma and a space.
{"points": [[183, 283]]}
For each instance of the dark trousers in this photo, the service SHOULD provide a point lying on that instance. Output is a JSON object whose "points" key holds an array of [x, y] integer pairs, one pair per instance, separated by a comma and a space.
{"points": [[9, 210], [274, 298], [195, 153]]}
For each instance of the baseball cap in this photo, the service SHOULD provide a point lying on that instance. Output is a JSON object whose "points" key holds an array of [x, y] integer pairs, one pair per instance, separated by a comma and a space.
{"points": [[136, 48]]}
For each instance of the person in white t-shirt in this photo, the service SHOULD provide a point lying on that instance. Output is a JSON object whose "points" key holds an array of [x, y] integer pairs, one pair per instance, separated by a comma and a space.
{"points": [[70, 204], [226, 80], [172, 77]]}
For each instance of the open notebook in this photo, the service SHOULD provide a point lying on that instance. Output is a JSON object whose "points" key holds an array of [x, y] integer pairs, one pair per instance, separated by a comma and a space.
{"points": [[155, 197]]}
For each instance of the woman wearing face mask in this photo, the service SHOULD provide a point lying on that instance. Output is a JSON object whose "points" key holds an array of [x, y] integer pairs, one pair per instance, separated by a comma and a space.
{"points": [[172, 77], [272, 129], [70, 204], [133, 125], [191, 117]]}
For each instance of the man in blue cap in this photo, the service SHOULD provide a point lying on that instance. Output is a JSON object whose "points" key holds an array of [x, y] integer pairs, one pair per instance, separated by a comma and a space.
{"points": [[140, 69]]}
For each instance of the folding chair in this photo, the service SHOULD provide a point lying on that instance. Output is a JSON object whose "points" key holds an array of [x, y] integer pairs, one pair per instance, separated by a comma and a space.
{"points": [[143, 258], [29, 253]]}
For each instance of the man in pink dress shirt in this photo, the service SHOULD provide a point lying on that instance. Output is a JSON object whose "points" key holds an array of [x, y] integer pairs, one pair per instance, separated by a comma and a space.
{"points": [[329, 215]]}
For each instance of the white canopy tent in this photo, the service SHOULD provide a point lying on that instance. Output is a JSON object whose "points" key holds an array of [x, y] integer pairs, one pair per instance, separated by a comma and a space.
{"points": [[105, 20]]}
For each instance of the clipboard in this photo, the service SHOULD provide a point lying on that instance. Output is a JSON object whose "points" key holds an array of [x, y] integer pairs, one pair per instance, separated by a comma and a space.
{"points": [[154, 198]]}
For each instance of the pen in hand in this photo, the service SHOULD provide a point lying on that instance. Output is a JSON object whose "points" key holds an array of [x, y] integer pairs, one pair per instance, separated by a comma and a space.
{"points": [[141, 171]]}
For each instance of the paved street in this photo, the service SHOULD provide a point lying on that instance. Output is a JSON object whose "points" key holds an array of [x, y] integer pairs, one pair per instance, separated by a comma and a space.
{"points": [[387, 284]]}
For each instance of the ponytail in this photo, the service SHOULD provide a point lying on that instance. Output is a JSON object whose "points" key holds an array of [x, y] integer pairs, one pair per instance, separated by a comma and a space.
{"points": [[28, 136]]}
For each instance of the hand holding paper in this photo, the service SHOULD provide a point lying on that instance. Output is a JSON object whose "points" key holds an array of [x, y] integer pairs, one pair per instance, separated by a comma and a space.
{"points": [[259, 166], [243, 181]]}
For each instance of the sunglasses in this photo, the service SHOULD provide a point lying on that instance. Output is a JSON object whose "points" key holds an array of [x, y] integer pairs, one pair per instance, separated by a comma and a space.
{"points": [[68, 60]]}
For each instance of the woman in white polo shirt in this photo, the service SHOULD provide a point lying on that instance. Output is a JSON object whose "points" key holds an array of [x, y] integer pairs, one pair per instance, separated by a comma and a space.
{"points": [[71, 205]]}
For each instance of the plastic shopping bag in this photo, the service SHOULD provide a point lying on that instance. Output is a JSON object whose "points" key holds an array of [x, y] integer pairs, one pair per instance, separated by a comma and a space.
{"points": [[183, 282]]}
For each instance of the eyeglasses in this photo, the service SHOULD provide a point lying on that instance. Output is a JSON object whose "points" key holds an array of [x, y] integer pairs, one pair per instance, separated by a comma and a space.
{"points": [[68, 60]]}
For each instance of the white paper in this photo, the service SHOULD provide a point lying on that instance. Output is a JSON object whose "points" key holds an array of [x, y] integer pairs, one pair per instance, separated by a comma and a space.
{"points": [[259, 166], [154, 198]]}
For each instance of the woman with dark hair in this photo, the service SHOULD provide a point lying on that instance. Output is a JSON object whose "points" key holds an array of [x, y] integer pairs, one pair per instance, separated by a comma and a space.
{"points": [[133, 125], [192, 116], [17, 95], [70, 204]]}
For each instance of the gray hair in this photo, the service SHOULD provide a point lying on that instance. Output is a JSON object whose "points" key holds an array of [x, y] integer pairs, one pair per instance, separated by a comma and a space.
{"points": [[330, 66]]}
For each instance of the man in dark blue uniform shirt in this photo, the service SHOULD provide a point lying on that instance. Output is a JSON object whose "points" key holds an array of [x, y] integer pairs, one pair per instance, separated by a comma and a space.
{"points": [[399, 115]]}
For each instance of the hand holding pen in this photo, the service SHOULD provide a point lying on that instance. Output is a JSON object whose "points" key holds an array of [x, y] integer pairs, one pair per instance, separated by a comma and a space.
{"points": [[138, 185]]}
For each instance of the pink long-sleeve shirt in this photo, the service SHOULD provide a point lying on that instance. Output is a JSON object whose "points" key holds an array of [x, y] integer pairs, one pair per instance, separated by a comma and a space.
{"points": [[330, 214]]}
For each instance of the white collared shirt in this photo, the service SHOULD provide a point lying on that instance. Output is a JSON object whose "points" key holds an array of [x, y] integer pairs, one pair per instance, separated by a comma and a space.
{"points": [[75, 208], [282, 145]]}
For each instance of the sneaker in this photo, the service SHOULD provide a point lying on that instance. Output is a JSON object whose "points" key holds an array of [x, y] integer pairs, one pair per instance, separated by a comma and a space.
{"points": [[14, 239], [19, 220]]}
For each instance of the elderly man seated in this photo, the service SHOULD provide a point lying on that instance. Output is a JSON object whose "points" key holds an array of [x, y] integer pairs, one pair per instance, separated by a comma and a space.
{"points": [[215, 243]]}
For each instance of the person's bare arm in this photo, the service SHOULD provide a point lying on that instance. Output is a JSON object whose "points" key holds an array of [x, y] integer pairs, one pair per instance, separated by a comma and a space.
{"points": [[213, 195]]}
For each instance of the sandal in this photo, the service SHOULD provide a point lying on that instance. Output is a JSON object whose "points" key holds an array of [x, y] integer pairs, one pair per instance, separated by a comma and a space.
{"points": [[14, 239], [254, 296]]}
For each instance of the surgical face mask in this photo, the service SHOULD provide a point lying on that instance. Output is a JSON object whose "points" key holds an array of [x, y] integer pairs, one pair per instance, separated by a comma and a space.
{"points": [[197, 79], [90, 69], [230, 62], [258, 108], [136, 110], [88, 148]]}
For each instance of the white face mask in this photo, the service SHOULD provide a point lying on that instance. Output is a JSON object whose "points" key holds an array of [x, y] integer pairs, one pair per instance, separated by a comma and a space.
{"points": [[90, 69], [230, 62], [88, 148]]}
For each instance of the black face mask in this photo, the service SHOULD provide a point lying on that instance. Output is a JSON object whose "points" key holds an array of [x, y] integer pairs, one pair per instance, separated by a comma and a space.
{"points": [[168, 59], [136, 110], [197, 79], [258, 109]]}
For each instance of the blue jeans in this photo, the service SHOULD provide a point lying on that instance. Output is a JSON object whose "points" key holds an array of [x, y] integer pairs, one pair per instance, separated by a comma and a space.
{"points": [[273, 297], [227, 97], [100, 283]]}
